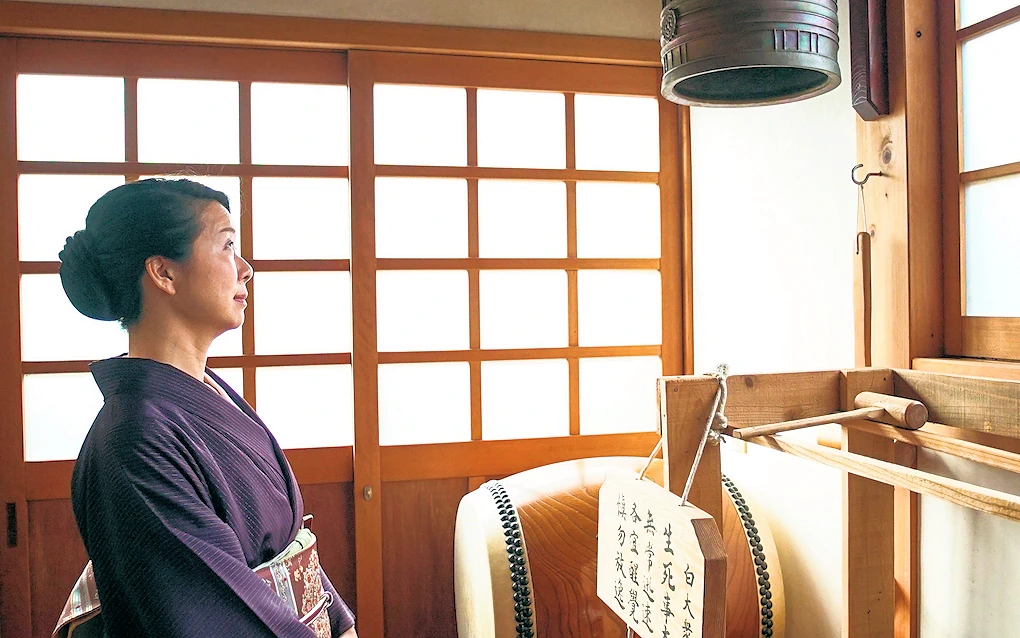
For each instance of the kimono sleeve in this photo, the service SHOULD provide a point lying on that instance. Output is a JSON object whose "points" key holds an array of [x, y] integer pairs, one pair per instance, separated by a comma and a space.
{"points": [[165, 563]]}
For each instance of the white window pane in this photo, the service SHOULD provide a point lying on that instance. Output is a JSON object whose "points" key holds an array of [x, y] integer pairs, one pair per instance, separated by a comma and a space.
{"points": [[619, 307], [523, 308], [420, 217], [51, 208], [302, 312], [188, 121], [304, 124], [521, 129], [618, 220], [301, 218], [420, 125], [991, 130], [992, 234], [52, 330], [234, 377], [616, 132], [618, 394], [65, 118], [972, 11], [424, 403], [227, 344], [525, 399], [229, 186], [307, 406], [422, 310], [521, 219], [59, 410]]}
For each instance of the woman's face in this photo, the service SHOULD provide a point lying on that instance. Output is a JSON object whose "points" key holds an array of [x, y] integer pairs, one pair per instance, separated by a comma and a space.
{"points": [[211, 283]]}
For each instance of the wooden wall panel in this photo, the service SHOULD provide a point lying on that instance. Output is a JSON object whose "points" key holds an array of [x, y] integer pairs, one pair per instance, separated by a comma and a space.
{"points": [[419, 519], [332, 505], [57, 557]]}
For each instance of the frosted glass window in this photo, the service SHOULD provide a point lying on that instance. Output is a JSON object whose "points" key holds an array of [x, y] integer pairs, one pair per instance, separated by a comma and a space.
{"points": [[302, 312], [523, 308], [52, 330], [991, 130], [420, 125], [301, 218], [51, 208], [59, 410], [422, 310], [972, 11], [616, 132], [619, 307], [70, 118], [188, 121], [307, 406], [525, 399], [304, 124], [420, 217], [521, 129], [618, 394], [522, 219], [424, 403], [227, 344], [992, 234], [234, 377], [618, 220]]}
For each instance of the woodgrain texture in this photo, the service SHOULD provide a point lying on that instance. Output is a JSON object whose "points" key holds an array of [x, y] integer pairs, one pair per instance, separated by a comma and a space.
{"points": [[57, 557], [986, 405], [333, 525]]}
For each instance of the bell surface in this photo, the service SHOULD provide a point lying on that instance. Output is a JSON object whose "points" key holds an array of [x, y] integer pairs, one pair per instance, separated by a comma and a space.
{"points": [[748, 52]]}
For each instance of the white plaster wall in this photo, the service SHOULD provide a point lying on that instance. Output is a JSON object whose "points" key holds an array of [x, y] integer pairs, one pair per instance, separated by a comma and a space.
{"points": [[774, 232], [622, 18]]}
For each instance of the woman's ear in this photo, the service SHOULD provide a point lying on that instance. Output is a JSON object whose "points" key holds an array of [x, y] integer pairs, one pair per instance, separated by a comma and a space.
{"points": [[160, 271]]}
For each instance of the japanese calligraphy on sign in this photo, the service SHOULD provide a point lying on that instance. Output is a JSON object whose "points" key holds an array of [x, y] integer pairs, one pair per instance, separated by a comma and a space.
{"points": [[651, 568]]}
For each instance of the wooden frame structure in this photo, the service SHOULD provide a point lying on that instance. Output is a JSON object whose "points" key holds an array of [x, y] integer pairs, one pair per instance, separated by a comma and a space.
{"points": [[970, 417]]}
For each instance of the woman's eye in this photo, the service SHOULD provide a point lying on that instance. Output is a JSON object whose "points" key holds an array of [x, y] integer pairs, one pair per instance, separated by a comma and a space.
{"points": [[230, 244]]}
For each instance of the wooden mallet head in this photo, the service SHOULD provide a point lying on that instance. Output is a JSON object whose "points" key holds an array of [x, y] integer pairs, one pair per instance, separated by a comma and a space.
{"points": [[903, 413]]}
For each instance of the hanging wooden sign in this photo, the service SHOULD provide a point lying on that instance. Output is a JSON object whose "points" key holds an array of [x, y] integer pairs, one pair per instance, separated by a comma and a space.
{"points": [[869, 82], [661, 566]]}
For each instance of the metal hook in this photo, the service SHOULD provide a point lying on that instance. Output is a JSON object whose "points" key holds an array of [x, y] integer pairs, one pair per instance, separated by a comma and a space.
{"points": [[853, 175]]}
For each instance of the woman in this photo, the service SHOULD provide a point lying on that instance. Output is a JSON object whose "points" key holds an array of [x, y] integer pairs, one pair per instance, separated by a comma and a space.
{"points": [[179, 489]]}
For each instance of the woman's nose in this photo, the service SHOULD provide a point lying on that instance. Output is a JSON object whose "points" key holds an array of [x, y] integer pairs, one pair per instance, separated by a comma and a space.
{"points": [[244, 269]]}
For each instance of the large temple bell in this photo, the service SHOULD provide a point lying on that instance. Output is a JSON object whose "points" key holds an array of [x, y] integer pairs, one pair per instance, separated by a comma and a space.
{"points": [[748, 52]]}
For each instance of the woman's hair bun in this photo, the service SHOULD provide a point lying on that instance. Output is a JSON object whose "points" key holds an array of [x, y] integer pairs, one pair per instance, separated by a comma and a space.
{"points": [[82, 278]]}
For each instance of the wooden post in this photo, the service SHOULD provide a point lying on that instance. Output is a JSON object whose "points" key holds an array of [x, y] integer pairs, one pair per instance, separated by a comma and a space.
{"points": [[868, 523]]}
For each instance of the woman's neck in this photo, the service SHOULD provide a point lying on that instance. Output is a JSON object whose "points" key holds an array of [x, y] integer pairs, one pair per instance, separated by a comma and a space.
{"points": [[170, 345]]}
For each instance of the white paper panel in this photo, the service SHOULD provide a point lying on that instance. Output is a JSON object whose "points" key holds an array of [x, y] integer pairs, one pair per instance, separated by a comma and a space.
{"points": [[305, 124], [51, 208], [991, 130], [52, 330], [188, 121], [420, 125], [301, 218], [420, 217], [521, 129], [523, 308], [618, 220], [618, 394], [66, 118], [422, 310], [59, 410], [522, 219], [992, 234], [616, 132], [228, 344], [525, 399], [307, 406], [234, 377], [302, 312], [424, 403], [972, 11], [619, 307]]}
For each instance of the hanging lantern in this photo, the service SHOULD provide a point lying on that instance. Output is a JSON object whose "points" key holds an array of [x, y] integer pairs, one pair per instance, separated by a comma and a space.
{"points": [[748, 52]]}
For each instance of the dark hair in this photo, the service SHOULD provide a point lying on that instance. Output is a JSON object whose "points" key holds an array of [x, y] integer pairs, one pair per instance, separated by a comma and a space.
{"points": [[101, 266]]}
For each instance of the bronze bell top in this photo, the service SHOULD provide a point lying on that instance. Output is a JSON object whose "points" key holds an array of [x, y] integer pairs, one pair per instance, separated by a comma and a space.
{"points": [[748, 52]]}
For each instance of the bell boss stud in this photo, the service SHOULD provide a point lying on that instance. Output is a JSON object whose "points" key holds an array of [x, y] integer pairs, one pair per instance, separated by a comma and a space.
{"points": [[906, 414]]}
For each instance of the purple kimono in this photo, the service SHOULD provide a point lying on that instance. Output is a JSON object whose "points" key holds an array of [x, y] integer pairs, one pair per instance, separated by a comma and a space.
{"points": [[178, 495]]}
